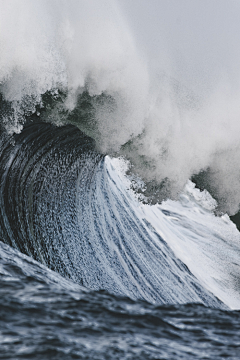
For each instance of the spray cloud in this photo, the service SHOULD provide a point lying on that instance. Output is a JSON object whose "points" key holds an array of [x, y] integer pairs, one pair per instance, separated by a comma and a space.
{"points": [[172, 68]]}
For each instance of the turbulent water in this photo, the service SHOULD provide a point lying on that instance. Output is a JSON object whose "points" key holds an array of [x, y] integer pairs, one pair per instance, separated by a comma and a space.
{"points": [[46, 316], [119, 179]]}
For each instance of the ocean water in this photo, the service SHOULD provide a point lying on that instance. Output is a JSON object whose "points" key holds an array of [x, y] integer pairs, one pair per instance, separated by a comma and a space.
{"points": [[119, 180]]}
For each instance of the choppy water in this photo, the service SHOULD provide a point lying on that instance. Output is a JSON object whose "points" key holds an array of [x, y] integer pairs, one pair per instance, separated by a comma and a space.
{"points": [[44, 316]]}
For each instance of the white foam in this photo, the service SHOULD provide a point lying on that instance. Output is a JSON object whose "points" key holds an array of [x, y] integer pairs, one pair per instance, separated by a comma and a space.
{"points": [[208, 245]]}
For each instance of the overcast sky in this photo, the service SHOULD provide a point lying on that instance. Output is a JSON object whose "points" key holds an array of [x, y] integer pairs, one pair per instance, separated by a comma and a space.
{"points": [[200, 39]]}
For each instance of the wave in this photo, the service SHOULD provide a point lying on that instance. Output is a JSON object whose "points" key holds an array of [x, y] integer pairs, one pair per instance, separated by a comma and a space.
{"points": [[119, 169], [82, 90], [67, 206]]}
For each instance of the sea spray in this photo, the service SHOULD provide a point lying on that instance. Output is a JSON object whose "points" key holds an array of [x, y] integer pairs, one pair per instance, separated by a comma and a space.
{"points": [[163, 79]]}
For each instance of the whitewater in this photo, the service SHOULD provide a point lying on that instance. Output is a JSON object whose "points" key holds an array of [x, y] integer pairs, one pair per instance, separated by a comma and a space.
{"points": [[119, 179]]}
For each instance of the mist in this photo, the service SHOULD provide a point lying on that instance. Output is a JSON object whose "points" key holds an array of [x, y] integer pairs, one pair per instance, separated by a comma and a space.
{"points": [[172, 68], [192, 50]]}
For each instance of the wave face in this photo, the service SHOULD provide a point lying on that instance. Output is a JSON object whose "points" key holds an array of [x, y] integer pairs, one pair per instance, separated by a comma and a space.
{"points": [[70, 208], [62, 206]]}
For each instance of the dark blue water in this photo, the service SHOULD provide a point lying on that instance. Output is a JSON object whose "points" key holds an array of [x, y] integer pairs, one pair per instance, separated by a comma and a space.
{"points": [[43, 316]]}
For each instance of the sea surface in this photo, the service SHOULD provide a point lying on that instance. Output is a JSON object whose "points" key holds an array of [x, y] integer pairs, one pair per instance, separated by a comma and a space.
{"points": [[44, 316]]}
